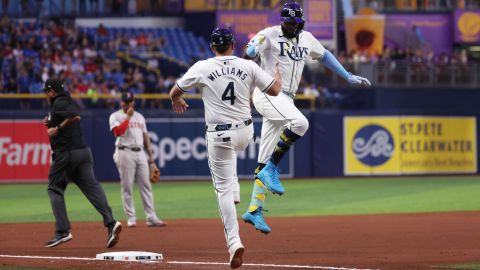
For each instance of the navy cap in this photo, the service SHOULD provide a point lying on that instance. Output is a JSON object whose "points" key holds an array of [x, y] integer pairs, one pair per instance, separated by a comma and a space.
{"points": [[127, 96], [292, 12], [54, 84], [221, 37]]}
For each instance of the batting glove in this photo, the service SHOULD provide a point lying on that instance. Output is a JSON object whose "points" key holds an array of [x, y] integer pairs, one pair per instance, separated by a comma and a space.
{"points": [[359, 81]]}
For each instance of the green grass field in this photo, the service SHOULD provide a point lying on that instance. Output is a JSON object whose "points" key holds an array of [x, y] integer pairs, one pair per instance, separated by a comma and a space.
{"points": [[29, 203]]}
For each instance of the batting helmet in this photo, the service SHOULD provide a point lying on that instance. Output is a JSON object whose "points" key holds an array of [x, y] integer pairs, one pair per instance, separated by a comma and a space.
{"points": [[292, 12], [222, 37]]}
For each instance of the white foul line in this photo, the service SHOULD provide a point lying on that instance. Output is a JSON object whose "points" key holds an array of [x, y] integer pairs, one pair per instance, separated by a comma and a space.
{"points": [[273, 265], [191, 263], [48, 257]]}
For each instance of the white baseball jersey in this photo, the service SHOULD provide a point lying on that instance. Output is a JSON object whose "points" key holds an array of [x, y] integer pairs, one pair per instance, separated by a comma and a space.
{"points": [[290, 53], [133, 137], [226, 84]]}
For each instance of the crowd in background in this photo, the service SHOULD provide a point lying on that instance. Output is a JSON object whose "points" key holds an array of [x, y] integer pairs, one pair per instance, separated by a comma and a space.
{"points": [[34, 51]]}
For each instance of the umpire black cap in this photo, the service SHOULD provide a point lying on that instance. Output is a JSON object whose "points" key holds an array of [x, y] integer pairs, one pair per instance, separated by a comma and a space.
{"points": [[127, 96], [222, 37], [54, 84]]}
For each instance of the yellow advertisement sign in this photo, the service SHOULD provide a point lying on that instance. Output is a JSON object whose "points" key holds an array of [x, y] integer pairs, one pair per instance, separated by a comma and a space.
{"points": [[365, 33], [409, 145]]}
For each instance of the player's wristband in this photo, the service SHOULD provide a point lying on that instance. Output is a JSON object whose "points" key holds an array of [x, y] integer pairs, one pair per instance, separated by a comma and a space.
{"points": [[250, 51], [332, 63]]}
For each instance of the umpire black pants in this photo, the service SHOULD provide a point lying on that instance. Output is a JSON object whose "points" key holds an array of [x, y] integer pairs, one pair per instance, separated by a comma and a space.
{"points": [[76, 166]]}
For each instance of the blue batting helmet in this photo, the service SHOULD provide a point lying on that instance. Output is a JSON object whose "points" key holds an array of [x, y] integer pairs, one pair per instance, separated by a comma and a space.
{"points": [[292, 12], [221, 37]]}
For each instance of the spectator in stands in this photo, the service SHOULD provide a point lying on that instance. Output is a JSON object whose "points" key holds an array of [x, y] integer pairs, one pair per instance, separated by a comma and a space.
{"points": [[102, 31], [142, 40], [11, 86]]}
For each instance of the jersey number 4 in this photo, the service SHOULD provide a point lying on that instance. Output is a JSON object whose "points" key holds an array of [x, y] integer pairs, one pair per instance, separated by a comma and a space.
{"points": [[229, 93]]}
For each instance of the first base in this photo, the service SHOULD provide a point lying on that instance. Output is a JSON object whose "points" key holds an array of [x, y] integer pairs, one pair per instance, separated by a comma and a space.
{"points": [[130, 256]]}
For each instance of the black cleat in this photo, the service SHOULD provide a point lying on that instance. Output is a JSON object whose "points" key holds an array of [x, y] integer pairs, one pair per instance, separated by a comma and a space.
{"points": [[59, 238], [114, 234]]}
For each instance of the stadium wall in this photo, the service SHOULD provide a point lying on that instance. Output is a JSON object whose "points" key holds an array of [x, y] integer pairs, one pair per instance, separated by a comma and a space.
{"points": [[423, 131]]}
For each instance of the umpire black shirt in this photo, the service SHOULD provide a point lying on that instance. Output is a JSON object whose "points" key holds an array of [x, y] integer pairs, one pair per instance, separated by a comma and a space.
{"points": [[70, 137]]}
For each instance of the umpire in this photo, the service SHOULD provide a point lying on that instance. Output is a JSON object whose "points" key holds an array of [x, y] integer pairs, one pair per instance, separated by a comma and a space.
{"points": [[71, 161]]}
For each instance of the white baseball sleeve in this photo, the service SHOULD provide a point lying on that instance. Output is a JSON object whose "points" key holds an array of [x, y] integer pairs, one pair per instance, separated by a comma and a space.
{"points": [[113, 121], [191, 77], [317, 50]]}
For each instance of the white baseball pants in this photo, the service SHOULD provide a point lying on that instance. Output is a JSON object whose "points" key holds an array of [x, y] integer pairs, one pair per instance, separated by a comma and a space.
{"points": [[222, 160], [133, 166], [279, 112]]}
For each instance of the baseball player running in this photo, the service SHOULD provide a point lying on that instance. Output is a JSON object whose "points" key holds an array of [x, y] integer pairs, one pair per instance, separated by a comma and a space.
{"points": [[226, 83], [130, 129], [283, 124]]}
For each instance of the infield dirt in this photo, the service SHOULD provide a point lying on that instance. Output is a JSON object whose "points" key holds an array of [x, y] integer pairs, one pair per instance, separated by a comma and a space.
{"points": [[406, 241]]}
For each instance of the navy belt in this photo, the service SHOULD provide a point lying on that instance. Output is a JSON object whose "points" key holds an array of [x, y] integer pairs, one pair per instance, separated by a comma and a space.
{"points": [[291, 95], [223, 127], [134, 149]]}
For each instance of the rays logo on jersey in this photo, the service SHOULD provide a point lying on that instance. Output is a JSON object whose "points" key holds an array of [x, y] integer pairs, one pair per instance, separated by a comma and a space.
{"points": [[373, 145], [296, 53]]}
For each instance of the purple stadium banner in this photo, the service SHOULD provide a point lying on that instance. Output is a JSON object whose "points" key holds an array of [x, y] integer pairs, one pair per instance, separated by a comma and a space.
{"points": [[245, 24], [467, 26], [422, 32], [319, 16]]}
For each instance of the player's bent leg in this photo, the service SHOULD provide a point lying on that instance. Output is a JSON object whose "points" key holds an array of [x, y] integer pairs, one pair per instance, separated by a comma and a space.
{"points": [[259, 192], [279, 113], [254, 214], [287, 139]]}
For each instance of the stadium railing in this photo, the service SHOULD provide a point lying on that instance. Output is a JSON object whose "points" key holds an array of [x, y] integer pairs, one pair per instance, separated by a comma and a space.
{"points": [[311, 100]]}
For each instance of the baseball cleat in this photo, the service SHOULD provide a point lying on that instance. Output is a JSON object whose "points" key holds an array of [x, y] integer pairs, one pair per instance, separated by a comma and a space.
{"points": [[114, 234], [236, 255], [156, 223], [256, 219], [131, 223], [270, 178], [58, 239]]}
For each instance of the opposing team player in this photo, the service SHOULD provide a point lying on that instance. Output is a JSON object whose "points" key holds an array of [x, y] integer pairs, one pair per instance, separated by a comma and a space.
{"points": [[130, 129], [283, 124], [226, 83]]}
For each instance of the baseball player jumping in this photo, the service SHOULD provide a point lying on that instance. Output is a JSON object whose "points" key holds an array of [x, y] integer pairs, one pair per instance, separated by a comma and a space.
{"points": [[283, 124], [130, 129], [226, 83]]}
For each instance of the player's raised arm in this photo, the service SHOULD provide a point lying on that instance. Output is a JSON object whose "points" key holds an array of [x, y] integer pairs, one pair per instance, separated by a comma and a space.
{"points": [[253, 47], [332, 63]]}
